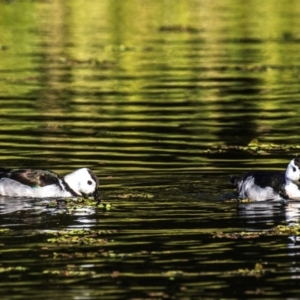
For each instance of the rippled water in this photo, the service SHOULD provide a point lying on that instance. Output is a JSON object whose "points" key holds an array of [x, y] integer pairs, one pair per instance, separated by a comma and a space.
{"points": [[160, 100]]}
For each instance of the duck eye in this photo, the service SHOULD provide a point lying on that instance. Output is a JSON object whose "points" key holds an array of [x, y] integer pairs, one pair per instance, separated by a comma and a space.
{"points": [[89, 182], [294, 169]]}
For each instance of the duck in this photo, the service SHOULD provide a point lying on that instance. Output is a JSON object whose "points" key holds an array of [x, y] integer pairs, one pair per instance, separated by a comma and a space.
{"points": [[35, 183], [292, 179], [270, 185]]}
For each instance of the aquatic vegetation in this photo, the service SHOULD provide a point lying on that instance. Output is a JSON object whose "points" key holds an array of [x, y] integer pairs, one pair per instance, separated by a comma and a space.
{"points": [[106, 254], [279, 230], [254, 147], [235, 200], [258, 271], [70, 271], [172, 274], [135, 195], [78, 236], [13, 269], [78, 204]]}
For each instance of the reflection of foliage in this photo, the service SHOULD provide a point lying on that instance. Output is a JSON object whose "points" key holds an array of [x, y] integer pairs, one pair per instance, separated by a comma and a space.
{"points": [[280, 230], [254, 147]]}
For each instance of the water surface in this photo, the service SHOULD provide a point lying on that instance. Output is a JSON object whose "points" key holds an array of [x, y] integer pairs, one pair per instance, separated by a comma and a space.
{"points": [[160, 100]]}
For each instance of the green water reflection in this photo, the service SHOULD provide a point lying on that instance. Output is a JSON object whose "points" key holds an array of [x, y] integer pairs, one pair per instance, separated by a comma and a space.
{"points": [[105, 74]]}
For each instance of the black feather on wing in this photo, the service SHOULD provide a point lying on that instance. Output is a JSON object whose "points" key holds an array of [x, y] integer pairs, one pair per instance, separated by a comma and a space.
{"points": [[30, 177], [274, 179]]}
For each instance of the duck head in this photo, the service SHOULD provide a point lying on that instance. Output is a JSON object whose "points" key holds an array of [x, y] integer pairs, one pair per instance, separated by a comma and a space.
{"points": [[292, 173], [83, 182]]}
